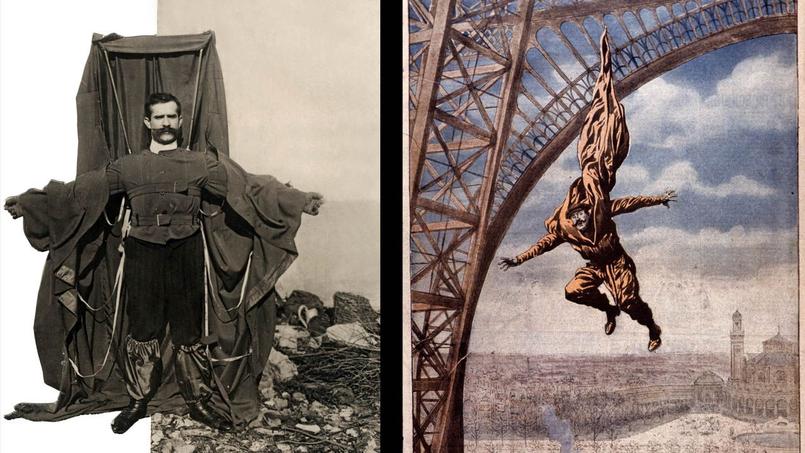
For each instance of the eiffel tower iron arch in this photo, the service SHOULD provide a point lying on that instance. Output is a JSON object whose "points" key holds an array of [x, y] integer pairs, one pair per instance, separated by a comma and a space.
{"points": [[492, 105]]}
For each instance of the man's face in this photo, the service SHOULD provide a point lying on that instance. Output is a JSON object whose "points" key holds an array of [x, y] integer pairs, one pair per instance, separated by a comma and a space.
{"points": [[164, 122], [580, 219]]}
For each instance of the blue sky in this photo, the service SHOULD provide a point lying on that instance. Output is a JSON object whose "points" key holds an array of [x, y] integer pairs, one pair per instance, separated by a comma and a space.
{"points": [[721, 130]]}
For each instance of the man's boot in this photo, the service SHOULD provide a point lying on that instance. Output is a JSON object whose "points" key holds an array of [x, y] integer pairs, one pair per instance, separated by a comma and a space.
{"points": [[655, 341], [612, 313], [640, 312], [142, 369], [193, 374], [597, 300]]}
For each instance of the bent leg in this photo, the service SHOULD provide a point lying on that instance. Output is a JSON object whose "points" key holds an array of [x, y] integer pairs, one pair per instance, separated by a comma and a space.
{"points": [[621, 279], [583, 289]]}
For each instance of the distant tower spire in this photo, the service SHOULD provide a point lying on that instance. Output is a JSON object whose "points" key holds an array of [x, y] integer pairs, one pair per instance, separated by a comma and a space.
{"points": [[737, 347]]}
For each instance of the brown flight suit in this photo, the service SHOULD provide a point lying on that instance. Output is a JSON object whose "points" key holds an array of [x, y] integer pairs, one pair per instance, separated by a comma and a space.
{"points": [[603, 145], [607, 262]]}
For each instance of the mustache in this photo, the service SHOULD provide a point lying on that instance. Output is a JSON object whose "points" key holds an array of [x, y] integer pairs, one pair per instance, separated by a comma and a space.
{"points": [[166, 129]]}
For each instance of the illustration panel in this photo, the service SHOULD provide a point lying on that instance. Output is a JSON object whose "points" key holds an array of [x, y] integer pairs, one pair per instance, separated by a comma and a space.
{"points": [[603, 226]]}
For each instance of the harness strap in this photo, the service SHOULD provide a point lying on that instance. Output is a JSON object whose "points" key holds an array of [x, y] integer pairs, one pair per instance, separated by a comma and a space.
{"points": [[117, 101], [163, 219], [165, 187], [117, 290], [231, 359], [195, 98]]}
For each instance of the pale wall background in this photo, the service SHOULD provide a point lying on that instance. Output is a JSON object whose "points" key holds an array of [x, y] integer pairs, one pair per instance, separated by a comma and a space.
{"points": [[302, 81], [43, 47]]}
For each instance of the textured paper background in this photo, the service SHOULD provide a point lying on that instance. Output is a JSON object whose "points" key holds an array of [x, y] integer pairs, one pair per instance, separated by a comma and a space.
{"points": [[406, 246]]}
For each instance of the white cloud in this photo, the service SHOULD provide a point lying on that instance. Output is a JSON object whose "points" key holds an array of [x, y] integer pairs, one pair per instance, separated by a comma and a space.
{"points": [[735, 252], [759, 94], [710, 237], [632, 174], [682, 176]]}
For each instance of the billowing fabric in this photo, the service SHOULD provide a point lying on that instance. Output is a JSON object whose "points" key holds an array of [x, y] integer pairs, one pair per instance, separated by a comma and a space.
{"points": [[604, 139], [142, 366], [603, 145], [249, 238], [193, 373], [139, 66], [253, 231]]}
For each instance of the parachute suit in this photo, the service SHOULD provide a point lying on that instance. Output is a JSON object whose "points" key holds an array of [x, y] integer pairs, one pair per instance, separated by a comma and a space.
{"points": [[80, 325], [602, 147]]}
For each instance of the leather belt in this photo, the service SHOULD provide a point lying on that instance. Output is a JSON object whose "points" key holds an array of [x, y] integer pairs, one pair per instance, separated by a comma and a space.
{"points": [[164, 220]]}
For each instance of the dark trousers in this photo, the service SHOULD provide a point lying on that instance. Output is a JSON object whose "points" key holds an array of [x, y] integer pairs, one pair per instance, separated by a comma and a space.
{"points": [[165, 285], [620, 277]]}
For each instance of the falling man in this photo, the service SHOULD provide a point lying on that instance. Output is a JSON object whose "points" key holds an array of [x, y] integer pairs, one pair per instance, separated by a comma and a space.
{"points": [[585, 218]]}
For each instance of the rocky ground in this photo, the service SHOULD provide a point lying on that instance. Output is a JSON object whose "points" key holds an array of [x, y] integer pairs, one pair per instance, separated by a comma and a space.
{"points": [[324, 397]]}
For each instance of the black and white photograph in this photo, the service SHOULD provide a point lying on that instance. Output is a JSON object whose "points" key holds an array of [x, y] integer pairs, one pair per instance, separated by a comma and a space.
{"points": [[191, 236]]}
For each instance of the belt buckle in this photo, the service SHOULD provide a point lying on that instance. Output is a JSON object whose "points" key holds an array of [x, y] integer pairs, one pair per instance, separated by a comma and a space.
{"points": [[167, 222]]}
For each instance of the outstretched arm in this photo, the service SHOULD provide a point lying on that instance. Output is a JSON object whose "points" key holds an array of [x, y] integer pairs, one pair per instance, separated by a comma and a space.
{"points": [[544, 244], [217, 182], [630, 204], [58, 215], [12, 205]]}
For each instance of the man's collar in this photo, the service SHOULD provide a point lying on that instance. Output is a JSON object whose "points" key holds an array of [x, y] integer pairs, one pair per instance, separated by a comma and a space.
{"points": [[157, 148]]}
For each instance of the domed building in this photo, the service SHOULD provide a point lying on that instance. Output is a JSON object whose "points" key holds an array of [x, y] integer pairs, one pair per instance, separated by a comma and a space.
{"points": [[708, 392], [764, 385]]}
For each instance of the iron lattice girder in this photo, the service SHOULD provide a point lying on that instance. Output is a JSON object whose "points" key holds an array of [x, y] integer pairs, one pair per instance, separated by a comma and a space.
{"points": [[428, 82], [449, 434], [457, 151], [637, 60], [454, 148], [507, 208], [421, 301]]}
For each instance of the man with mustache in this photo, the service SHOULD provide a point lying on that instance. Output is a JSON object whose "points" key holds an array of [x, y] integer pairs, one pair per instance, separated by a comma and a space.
{"points": [[164, 271], [585, 218]]}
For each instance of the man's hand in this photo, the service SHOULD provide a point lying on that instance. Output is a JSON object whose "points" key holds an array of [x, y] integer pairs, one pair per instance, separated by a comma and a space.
{"points": [[505, 263], [13, 207], [667, 197], [313, 202]]}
